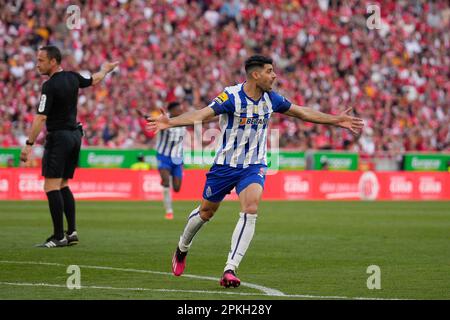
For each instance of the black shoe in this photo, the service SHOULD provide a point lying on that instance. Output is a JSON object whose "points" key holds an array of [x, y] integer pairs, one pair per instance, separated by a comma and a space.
{"points": [[72, 239], [52, 242]]}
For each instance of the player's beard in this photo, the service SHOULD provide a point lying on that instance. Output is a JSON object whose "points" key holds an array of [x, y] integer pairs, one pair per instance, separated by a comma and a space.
{"points": [[266, 88], [262, 88]]}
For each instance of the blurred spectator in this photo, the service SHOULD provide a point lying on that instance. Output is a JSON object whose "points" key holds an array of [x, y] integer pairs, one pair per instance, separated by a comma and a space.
{"points": [[396, 78], [140, 164], [10, 163]]}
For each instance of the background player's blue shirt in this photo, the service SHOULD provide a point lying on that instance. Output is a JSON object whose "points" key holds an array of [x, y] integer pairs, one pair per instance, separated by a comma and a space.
{"points": [[243, 124]]}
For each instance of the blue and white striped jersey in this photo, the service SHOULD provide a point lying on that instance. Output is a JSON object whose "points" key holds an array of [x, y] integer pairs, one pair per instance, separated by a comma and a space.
{"points": [[243, 124], [169, 142]]}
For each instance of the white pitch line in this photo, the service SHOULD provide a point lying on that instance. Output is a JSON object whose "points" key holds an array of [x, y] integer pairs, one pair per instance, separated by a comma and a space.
{"points": [[27, 284], [265, 290], [268, 292]]}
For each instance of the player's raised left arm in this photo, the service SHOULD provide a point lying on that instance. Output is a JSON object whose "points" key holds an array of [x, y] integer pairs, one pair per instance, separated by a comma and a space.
{"points": [[106, 68], [343, 120]]}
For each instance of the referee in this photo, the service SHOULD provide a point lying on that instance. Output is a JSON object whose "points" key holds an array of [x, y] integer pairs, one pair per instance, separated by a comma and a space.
{"points": [[58, 110]]}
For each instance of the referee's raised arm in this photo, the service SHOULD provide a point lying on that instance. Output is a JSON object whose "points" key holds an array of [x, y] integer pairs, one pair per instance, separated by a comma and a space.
{"points": [[106, 68]]}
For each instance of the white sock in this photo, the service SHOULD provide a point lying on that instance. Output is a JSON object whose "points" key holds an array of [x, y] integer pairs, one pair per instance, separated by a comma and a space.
{"points": [[193, 224], [242, 236], [167, 199]]}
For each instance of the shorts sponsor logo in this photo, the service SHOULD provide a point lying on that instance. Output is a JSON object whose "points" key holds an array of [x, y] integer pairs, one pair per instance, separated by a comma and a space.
{"points": [[208, 192]]}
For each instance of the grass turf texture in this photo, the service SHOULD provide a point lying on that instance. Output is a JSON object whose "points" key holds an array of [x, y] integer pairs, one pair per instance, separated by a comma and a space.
{"points": [[299, 248]]}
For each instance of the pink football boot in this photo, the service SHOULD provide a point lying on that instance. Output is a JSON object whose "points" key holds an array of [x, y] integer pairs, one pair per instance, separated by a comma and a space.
{"points": [[178, 262], [229, 279]]}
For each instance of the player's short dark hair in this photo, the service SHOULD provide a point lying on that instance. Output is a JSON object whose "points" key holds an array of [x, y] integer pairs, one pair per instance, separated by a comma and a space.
{"points": [[52, 53], [256, 61], [173, 105]]}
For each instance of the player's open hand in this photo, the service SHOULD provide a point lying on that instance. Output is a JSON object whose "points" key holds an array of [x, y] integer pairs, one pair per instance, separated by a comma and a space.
{"points": [[353, 124], [158, 123], [109, 66]]}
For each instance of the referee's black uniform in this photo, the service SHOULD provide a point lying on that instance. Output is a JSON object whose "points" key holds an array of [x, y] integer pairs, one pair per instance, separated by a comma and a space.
{"points": [[62, 149], [63, 142]]}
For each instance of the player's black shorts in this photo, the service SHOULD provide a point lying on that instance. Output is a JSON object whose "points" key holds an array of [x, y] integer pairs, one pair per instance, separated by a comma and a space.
{"points": [[61, 154]]}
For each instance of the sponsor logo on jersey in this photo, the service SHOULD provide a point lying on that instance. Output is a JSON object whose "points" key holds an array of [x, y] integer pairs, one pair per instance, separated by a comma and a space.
{"points": [[253, 121]]}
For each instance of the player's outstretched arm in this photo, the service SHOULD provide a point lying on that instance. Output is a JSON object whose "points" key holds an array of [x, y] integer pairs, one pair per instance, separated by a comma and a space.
{"points": [[186, 119], [106, 68], [343, 120]]}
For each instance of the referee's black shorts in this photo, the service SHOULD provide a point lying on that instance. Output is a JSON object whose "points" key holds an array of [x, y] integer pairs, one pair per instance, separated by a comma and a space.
{"points": [[61, 154]]}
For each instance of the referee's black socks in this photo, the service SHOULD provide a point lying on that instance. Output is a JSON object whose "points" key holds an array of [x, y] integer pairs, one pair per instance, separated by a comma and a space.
{"points": [[56, 205], [69, 208]]}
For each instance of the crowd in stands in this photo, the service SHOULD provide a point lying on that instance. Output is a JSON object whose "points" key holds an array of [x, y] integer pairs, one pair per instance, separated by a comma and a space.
{"points": [[396, 76]]}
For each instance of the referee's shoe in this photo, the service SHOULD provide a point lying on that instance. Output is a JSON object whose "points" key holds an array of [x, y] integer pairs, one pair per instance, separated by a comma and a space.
{"points": [[52, 242], [72, 239]]}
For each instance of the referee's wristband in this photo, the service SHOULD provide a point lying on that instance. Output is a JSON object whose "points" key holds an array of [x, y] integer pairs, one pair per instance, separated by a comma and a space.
{"points": [[28, 143]]}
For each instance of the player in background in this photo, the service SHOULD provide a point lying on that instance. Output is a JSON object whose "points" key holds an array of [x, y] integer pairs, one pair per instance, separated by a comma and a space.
{"points": [[241, 159], [169, 147]]}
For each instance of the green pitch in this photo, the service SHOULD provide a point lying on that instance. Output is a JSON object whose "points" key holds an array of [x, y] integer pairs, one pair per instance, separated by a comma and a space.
{"points": [[300, 250]]}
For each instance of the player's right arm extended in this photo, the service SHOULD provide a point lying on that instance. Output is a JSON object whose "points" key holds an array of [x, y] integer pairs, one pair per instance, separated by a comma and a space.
{"points": [[192, 117], [186, 119], [106, 68]]}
